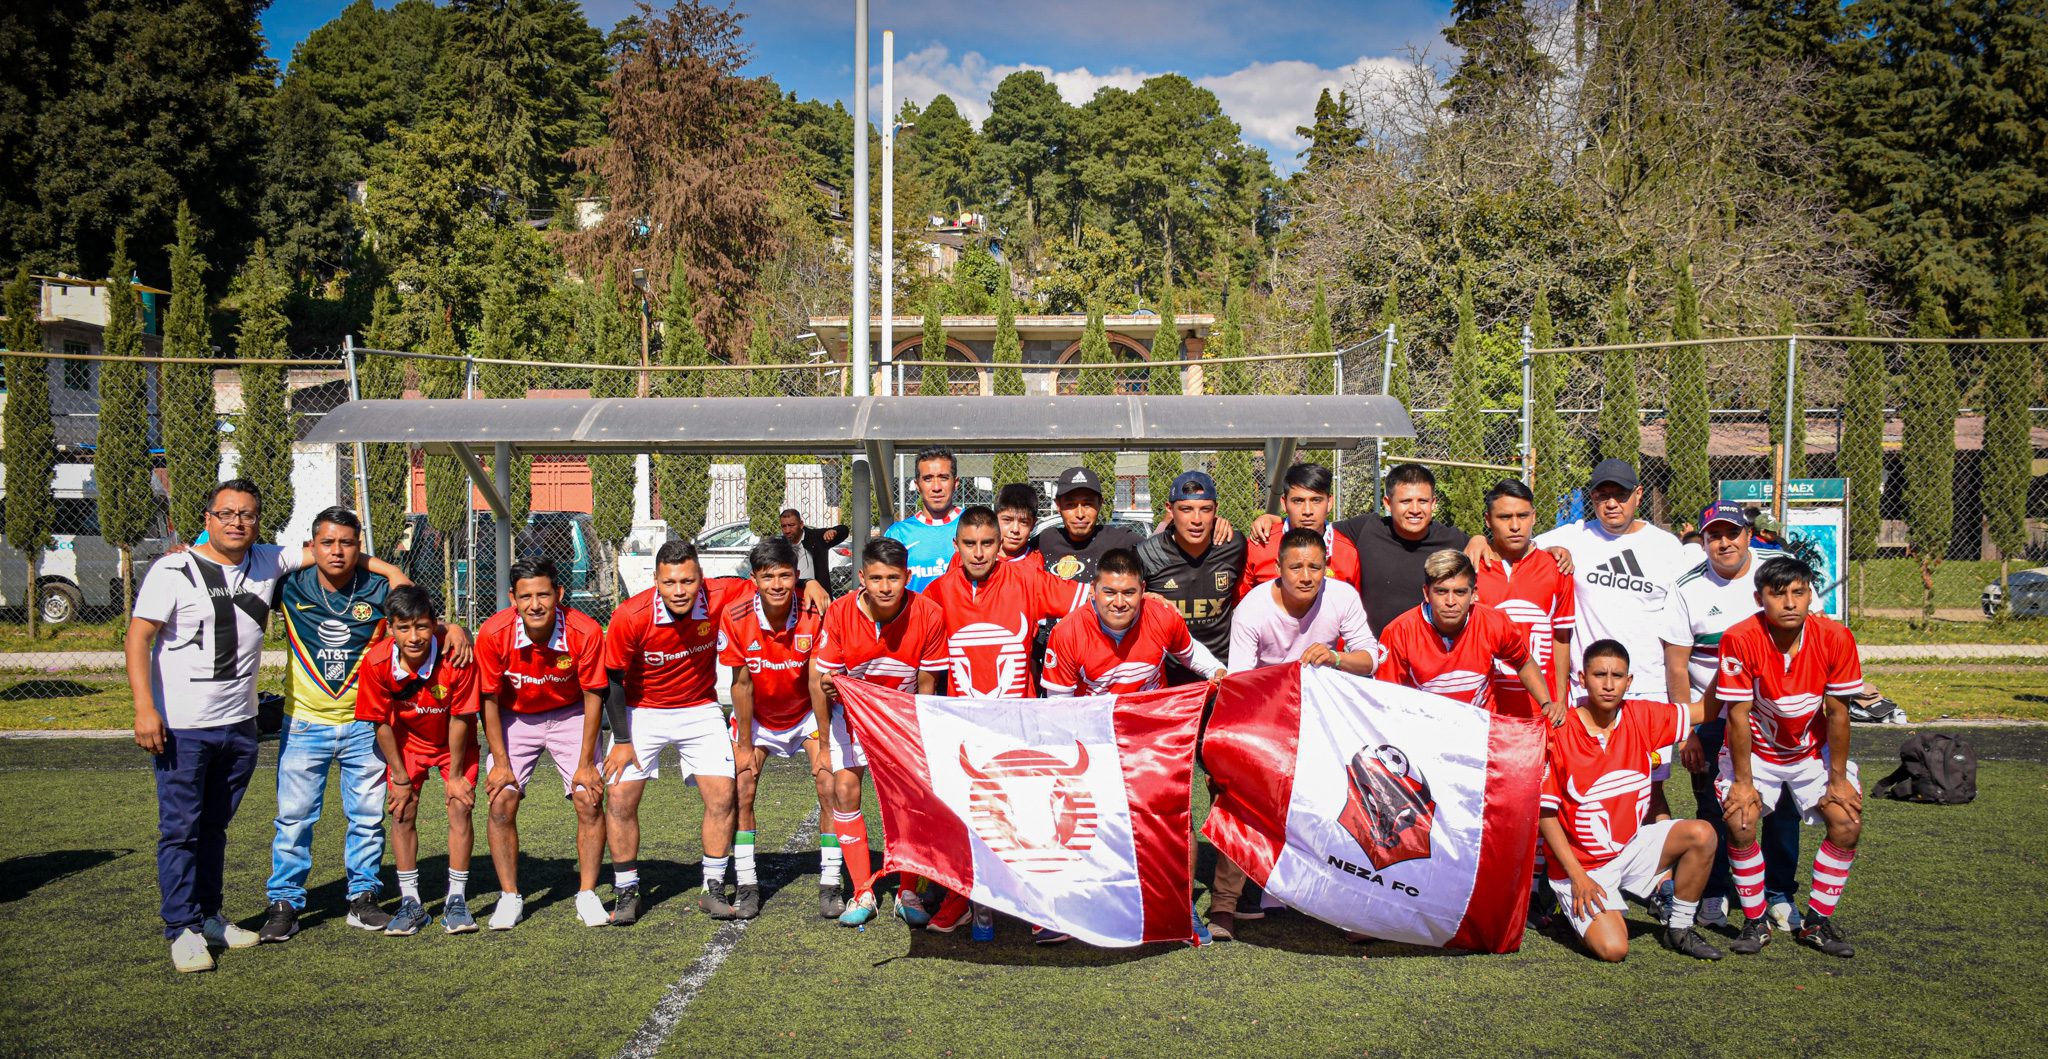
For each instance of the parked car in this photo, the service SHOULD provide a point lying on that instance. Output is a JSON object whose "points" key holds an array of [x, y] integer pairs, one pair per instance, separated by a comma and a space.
{"points": [[722, 552], [2029, 595], [80, 573], [588, 566]]}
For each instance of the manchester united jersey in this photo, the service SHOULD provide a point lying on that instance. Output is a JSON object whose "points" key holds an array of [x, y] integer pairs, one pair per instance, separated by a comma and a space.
{"points": [[1600, 789], [890, 655], [1084, 659], [1262, 559], [528, 677], [1786, 722], [989, 626], [1537, 596], [774, 658], [1418, 656], [416, 705]]}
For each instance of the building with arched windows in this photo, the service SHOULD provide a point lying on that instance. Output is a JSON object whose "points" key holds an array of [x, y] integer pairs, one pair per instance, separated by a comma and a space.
{"points": [[1048, 341]]}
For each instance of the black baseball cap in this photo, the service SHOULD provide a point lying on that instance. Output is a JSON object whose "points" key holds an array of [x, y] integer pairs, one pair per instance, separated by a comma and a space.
{"points": [[1614, 470], [1074, 479]]}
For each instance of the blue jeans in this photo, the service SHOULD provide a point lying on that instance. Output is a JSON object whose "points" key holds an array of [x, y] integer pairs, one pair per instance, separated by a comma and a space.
{"points": [[1779, 835], [306, 750], [200, 779]]}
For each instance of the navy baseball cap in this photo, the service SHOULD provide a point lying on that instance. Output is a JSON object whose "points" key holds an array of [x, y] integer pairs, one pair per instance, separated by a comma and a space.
{"points": [[1616, 470], [1724, 511], [1192, 485]]}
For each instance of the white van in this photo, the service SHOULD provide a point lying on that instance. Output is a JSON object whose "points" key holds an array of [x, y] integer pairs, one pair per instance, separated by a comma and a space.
{"points": [[80, 571]]}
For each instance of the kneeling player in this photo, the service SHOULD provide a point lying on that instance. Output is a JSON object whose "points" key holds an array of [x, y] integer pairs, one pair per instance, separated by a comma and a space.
{"points": [[1595, 788], [768, 640], [425, 709], [1786, 676]]}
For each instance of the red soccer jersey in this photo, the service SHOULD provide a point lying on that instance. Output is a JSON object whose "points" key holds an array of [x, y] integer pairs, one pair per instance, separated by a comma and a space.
{"points": [[1082, 659], [1600, 791], [774, 658], [1262, 561], [416, 705], [1418, 657], [989, 627], [890, 655], [671, 663], [1786, 722], [1537, 596], [534, 678]]}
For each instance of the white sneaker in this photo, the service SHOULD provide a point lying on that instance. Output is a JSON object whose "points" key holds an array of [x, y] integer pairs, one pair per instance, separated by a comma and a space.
{"points": [[1781, 917], [188, 953], [222, 934], [590, 909], [506, 914]]}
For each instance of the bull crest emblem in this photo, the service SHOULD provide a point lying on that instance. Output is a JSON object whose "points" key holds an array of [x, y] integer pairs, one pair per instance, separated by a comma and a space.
{"points": [[1388, 807], [1032, 809]]}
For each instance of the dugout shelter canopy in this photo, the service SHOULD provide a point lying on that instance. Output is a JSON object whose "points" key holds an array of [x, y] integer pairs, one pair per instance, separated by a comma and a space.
{"points": [[876, 426]]}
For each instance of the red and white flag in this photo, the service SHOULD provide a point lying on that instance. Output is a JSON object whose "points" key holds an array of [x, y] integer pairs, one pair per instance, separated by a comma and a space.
{"points": [[1377, 808], [1067, 813]]}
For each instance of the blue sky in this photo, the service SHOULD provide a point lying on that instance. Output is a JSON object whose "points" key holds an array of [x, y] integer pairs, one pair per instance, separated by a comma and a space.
{"points": [[1265, 61]]}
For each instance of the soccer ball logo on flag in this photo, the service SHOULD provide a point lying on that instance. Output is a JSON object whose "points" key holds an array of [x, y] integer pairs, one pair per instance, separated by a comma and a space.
{"points": [[1034, 810], [1388, 808]]}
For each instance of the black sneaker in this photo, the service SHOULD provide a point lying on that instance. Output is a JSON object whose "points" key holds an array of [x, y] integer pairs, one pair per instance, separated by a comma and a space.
{"points": [[1756, 933], [363, 913], [1689, 942], [280, 923], [830, 901], [1251, 902], [747, 902], [1821, 933], [714, 904], [626, 906]]}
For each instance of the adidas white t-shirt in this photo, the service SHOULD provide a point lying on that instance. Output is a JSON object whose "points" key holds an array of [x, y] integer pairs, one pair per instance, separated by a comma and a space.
{"points": [[203, 670], [1704, 606], [1620, 587]]}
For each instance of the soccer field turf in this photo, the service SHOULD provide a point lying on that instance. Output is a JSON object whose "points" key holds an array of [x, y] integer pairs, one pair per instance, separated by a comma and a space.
{"points": [[1946, 906]]}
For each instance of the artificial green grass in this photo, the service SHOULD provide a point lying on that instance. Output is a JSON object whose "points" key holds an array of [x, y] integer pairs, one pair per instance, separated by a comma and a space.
{"points": [[1948, 907]]}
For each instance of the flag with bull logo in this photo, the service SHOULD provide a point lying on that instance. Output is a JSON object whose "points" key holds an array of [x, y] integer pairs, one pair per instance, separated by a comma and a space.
{"points": [[1067, 813], [1389, 811]]}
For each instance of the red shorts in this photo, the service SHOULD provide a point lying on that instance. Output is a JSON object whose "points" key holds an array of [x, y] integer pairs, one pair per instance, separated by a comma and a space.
{"points": [[418, 764]]}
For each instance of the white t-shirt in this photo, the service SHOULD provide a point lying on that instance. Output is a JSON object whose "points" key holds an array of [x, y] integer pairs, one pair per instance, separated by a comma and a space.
{"points": [[1704, 606], [203, 669], [1620, 586], [1262, 633]]}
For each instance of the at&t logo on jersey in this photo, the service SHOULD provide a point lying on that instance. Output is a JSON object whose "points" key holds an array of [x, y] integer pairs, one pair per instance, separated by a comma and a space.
{"points": [[1034, 810]]}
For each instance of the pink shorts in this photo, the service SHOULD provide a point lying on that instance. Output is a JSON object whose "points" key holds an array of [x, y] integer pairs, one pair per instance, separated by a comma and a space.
{"points": [[559, 732]]}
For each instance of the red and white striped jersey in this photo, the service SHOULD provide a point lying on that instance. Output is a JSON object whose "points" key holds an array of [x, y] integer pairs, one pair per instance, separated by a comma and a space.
{"points": [[890, 655], [990, 626], [1537, 596], [1786, 722], [1080, 658], [1418, 656], [1600, 790]]}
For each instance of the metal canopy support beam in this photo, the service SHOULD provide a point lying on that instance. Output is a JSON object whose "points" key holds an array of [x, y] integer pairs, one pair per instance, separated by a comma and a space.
{"points": [[482, 480], [1279, 456], [882, 456], [501, 466]]}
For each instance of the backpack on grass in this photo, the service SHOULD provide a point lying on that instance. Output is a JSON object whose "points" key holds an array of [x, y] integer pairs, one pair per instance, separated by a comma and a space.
{"points": [[1933, 767]]}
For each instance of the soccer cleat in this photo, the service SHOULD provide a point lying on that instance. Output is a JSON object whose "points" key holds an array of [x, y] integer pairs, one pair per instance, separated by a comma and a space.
{"points": [[280, 924], [1714, 913], [951, 914], [626, 906], [712, 903], [506, 914], [221, 934], [1201, 937], [830, 902], [1222, 925], [910, 909], [1820, 932], [455, 917], [1756, 933], [363, 913], [1660, 901], [984, 924], [747, 902], [189, 953], [1251, 903], [1689, 942], [1049, 936], [859, 911], [1542, 906], [590, 909], [408, 920], [1781, 917]]}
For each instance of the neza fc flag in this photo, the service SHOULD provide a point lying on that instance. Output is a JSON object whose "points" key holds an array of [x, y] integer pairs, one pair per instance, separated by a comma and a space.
{"points": [[1377, 808], [1067, 813]]}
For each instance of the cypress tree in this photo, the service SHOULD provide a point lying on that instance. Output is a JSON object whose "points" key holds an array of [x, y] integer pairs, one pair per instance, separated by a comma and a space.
{"points": [[1467, 423], [608, 342], [1237, 484], [447, 483], [1776, 399], [1558, 454], [1862, 455], [387, 467], [2008, 454], [932, 379], [28, 445], [265, 429], [1319, 376], [767, 479], [191, 427], [682, 481], [1621, 404], [1161, 468], [1010, 467], [1686, 429], [1098, 383], [120, 459], [1929, 445]]}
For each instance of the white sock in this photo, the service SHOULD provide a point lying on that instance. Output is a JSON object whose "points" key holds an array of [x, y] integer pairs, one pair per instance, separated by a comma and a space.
{"points": [[624, 877], [1682, 913], [409, 884], [828, 860], [714, 873], [743, 859], [458, 883]]}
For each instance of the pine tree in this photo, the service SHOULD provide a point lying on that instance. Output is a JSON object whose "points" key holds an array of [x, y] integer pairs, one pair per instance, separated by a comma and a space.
{"points": [[1098, 382], [2008, 454], [1010, 467], [1399, 385], [28, 444], [388, 467], [191, 427], [1467, 425], [1559, 456], [120, 459], [1862, 455], [1161, 467], [1319, 377], [1621, 406], [266, 428], [1929, 445], [682, 481], [501, 337], [1775, 405], [608, 342], [1237, 483], [933, 379], [1686, 428]]}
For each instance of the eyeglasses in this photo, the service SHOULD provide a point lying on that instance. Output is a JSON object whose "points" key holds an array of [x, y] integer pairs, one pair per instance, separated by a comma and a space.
{"points": [[234, 518]]}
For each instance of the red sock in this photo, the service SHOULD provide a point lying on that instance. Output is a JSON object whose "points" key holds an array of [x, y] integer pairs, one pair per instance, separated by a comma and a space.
{"points": [[852, 829], [1830, 874], [1748, 865]]}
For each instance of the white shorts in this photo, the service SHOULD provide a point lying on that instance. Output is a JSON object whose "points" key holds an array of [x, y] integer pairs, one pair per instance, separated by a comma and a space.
{"points": [[846, 751], [697, 732], [791, 742], [1807, 780], [1634, 870]]}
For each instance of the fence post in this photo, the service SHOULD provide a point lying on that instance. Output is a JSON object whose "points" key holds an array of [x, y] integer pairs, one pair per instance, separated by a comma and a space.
{"points": [[1528, 405], [1379, 453], [348, 348], [1337, 454], [1791, 415]]}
